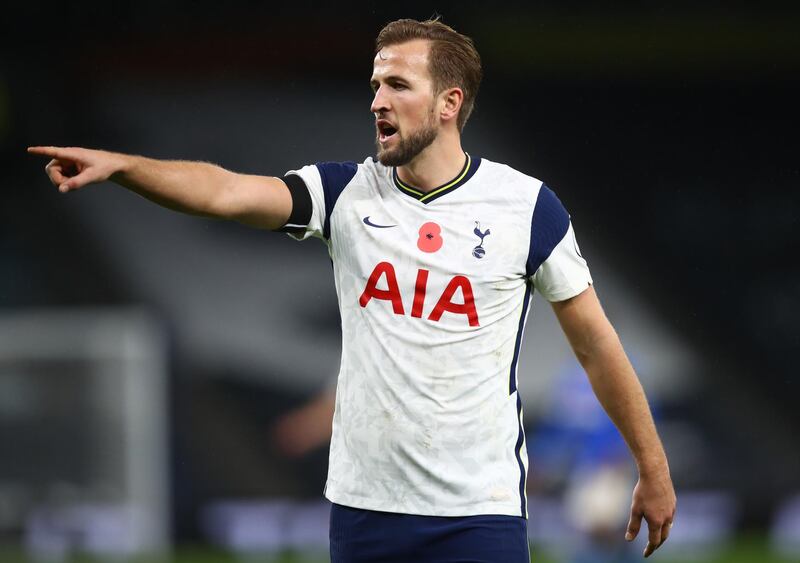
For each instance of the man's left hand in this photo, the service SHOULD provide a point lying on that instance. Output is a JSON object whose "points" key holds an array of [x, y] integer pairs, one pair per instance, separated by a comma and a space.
{"points": [[654, 500]]}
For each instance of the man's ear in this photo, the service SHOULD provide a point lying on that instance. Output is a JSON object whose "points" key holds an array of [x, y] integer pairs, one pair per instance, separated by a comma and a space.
{"points": [[452, 99]]}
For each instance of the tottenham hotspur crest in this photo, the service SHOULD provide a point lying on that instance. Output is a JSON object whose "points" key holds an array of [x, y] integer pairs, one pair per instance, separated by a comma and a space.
{"points": [[478, 251]]}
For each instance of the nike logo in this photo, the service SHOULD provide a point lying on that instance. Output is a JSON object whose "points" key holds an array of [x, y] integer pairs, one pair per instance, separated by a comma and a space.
{"points": [[371, 224]]}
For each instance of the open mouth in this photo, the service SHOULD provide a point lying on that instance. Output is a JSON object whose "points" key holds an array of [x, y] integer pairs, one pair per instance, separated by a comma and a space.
{"points": [[385, 131]]}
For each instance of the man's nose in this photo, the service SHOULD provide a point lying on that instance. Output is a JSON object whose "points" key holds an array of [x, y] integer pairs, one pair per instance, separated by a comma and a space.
{"points": [[379, 102]]}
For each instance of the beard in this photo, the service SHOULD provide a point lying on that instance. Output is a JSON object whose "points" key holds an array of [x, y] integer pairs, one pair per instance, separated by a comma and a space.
{"points": [[407, 148]]}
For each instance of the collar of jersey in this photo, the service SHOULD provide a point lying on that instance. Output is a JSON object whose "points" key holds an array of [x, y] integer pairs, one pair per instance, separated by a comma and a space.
{"points": [[470, 167]]}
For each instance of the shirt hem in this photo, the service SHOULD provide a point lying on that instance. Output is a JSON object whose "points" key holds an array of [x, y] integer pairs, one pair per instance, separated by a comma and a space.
{"points": [[476, 509]]}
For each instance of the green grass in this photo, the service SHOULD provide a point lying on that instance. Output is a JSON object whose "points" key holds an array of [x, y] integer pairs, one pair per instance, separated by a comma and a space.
{"points": [[751, 548], [745, 549]]}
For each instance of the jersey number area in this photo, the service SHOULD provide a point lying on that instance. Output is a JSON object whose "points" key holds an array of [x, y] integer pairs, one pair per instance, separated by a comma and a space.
{"points": [[445, 302]]}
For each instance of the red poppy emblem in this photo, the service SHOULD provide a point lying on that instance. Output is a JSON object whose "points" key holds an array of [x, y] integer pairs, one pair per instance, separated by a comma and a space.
{"points": [[430, 238]]}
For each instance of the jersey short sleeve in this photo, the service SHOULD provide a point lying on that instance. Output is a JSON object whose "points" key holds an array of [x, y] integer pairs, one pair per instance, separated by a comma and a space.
{"points": [[555, 265], [311, 224], [324, 181]]}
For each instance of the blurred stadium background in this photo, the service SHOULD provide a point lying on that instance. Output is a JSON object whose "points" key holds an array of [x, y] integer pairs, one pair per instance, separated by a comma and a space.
{"points": [[163, 378]]}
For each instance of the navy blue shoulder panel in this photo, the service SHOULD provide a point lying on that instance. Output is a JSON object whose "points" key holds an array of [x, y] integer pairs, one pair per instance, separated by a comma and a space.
{"points": [[335, 176], [549, 224]]}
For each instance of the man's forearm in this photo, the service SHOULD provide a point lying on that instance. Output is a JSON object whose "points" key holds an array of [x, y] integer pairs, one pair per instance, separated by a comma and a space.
{"points": [[190, 187], [619, 391]]}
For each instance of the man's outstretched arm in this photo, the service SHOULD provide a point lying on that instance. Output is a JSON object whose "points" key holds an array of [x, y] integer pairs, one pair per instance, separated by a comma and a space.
{"points": [[198, 188], [598, 348]]}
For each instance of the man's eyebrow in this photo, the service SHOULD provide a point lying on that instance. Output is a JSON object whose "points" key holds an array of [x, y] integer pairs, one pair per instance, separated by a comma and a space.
{"points": [[390, 78]]}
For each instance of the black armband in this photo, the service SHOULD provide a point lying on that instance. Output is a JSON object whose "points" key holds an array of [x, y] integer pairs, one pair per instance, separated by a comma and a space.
{"points": [[300, 216]]}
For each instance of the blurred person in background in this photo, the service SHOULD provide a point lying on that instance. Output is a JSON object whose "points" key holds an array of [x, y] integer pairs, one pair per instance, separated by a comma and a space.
{"points": [[435, 255], [582, 460]]}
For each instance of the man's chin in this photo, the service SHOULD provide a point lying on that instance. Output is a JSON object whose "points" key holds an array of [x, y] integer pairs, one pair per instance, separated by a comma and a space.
{"points": [[389, 157], [384, 157]]}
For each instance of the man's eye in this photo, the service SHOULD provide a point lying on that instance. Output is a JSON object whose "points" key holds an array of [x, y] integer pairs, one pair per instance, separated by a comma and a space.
{"points": [[399, 86]]}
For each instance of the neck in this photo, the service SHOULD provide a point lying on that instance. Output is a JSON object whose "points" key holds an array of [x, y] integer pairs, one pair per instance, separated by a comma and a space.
{"points": [[436, 165]]}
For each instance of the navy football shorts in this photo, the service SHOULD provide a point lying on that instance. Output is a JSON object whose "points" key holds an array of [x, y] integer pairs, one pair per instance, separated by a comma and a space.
{"points": [[359, 535]]}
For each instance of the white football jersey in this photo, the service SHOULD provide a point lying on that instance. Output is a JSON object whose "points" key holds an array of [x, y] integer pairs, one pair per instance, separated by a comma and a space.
{"points": [[433, 292]]}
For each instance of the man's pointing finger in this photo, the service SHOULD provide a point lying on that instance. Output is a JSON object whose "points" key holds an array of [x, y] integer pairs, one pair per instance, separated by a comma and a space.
{"points": [[52, 152]]}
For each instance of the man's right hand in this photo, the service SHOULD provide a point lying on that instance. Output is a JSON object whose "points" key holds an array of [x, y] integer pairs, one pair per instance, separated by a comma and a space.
{"points": [[72, 168]]}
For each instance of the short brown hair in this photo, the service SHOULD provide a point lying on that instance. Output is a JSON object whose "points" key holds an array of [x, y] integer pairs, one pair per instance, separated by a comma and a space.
{"points": [[453, 59]]}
